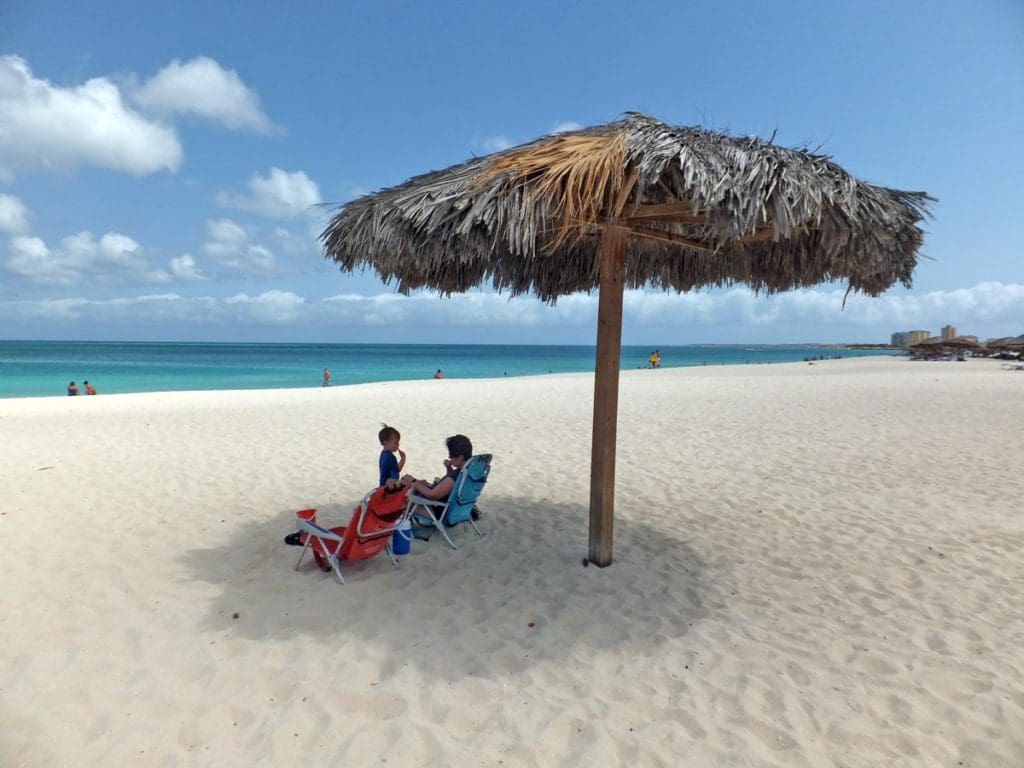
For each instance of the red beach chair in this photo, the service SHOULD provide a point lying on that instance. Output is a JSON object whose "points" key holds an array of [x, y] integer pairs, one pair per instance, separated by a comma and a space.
{"points": [[367, 534]]}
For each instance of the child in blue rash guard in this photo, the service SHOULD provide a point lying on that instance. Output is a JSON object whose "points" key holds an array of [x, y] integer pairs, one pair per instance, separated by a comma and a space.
{"points": [[390, 467]]}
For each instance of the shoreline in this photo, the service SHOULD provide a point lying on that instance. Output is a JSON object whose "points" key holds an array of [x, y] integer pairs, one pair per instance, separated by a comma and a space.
{"points": [[4, 398]]}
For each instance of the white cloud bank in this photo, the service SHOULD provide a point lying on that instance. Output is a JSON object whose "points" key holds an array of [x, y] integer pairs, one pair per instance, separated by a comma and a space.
{"points": [[204, 88], [270, 307], [51, 127], [278, 195], [690, 316]]}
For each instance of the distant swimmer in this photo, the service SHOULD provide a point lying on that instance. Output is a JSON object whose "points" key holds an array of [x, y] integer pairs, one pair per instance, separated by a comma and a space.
{"points": [[89, 388], [327, 378], [439, 374], [72, 389]]}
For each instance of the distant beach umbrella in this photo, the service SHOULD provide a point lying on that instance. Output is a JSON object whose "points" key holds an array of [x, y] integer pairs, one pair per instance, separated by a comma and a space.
{"points": [[939, 344], [632, 203], [1005, 344]]}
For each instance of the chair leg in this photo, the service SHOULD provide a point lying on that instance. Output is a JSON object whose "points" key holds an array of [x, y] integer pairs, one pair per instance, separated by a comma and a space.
{"points": [[479, 533], [302, 554], [336, 566], [441, 527], [387, 548]]}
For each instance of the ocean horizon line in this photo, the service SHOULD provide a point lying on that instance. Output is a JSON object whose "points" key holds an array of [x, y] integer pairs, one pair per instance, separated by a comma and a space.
{"points": [[652, 345]]}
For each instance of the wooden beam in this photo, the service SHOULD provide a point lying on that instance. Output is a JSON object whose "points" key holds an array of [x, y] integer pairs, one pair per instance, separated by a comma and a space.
{"points": [[681, 212], [623, 196], [606, 394], [668, 237]]}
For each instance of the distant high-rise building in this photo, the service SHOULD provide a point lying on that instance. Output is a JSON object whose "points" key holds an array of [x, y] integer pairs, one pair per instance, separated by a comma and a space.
{"points": [[948, 332], [906, 338]]}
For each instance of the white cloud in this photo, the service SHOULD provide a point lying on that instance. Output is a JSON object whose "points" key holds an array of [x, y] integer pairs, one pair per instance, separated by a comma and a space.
{"points": [[228, 242], [279, 195], [297, 244], [47, 126], [81, 258], [184, 267], [13, 215], [495, 144], [566, 126], [226, 238], [28, 257], [201, 87], [259, 258]]}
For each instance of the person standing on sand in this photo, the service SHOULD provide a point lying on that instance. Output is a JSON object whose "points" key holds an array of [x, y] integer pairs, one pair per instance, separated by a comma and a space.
{"points": [[327, 378]]}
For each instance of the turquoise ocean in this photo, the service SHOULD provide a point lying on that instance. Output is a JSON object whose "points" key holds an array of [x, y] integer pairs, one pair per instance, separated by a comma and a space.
{"points": [[44, 368]]}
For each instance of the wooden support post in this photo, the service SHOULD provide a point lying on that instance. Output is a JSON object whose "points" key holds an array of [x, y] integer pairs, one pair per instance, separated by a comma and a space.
{"points": [[606, 394]]}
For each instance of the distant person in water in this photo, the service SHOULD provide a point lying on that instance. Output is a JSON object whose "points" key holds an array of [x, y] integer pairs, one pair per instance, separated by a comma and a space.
{"points": [[439, 374], [655, 359], [72, 389], [89, 388], [327, 377]]}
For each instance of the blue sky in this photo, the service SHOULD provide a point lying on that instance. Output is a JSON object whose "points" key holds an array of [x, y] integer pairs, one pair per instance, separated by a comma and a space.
{"points": [[161, 164]]}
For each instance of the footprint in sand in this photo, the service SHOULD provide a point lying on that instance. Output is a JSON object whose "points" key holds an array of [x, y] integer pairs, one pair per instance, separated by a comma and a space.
{"points": [[937, 642]]}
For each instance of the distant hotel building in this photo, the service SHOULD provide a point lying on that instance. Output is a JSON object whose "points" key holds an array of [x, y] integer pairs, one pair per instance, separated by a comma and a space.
{"points": [[906, 338], [948, 332]]}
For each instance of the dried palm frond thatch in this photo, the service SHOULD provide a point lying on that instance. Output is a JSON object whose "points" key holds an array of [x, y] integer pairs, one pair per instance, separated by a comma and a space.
{"points": [[939, 344], [700, 208], [1007, 343]]}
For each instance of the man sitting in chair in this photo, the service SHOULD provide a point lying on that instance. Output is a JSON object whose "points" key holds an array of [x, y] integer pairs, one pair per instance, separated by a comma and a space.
{"points": [[460, 450]]}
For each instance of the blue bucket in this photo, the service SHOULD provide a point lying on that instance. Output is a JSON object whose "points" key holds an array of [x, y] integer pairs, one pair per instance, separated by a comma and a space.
{"points": [[401, 539]]}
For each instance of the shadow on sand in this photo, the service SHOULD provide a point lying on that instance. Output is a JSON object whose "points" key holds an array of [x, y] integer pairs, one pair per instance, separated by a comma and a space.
{"points": [[519, 595]]}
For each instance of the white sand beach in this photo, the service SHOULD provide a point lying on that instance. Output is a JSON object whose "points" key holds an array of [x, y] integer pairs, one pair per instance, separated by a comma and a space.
{"points": [[815, 565]]}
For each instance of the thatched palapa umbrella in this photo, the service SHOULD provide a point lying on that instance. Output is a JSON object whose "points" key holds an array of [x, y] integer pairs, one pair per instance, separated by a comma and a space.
{"points": [[1005, 344], [938, 344], [632, 203]]}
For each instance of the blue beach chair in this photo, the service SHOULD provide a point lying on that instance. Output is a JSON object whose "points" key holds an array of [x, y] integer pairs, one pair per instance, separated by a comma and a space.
{"points": [[461, 503]]}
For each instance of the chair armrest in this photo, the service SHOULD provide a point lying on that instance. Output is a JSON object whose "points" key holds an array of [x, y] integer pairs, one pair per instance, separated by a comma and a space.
{"points": [[316, 530], [414, 499]]}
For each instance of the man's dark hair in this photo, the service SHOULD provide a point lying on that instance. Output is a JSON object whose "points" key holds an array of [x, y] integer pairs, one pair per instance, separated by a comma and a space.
{"points": [[459, 445], [387, 433]]}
